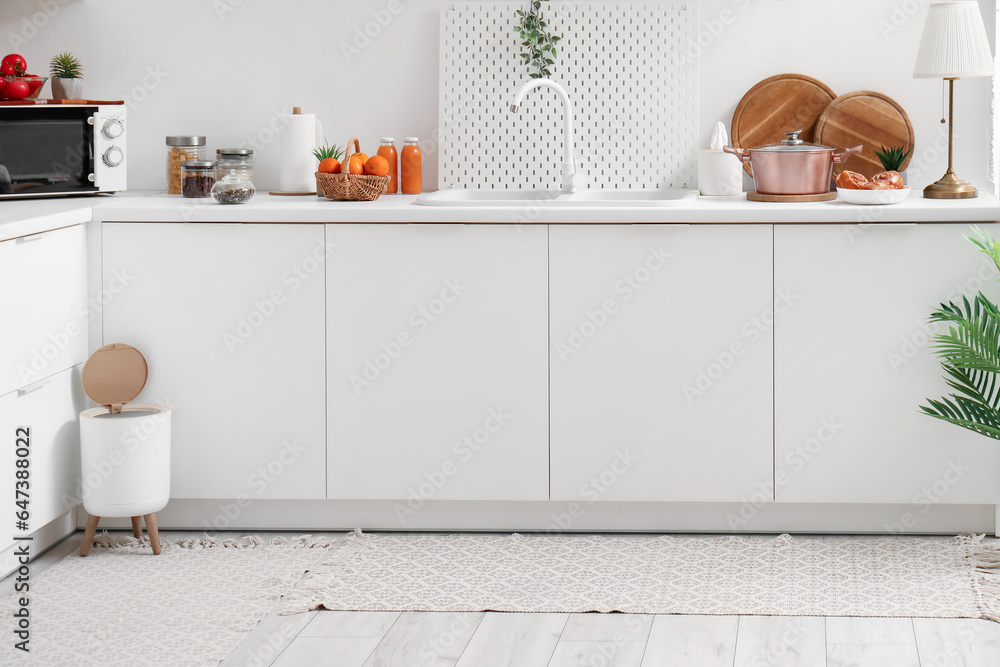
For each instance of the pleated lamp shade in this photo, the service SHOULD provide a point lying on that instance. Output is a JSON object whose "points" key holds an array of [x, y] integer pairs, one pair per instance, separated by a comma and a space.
{"points": [[954, 43]]}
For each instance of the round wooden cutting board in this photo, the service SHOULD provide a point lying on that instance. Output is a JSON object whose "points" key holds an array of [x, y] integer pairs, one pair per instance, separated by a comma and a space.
{"points": [[868, 118], [776, 105]]}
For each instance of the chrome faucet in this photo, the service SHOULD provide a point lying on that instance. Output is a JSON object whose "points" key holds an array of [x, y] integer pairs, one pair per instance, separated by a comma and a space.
{"points": [[571, 178]]}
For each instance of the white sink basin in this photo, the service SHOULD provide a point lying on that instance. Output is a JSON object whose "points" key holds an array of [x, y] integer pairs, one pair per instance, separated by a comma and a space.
{"points": [[555, 198]]}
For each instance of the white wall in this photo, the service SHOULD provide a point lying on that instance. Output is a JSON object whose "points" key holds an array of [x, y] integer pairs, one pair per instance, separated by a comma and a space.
{"points": [[224, 66]]}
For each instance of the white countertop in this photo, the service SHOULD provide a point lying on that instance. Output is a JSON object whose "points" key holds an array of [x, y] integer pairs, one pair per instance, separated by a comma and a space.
{"points": [[158, 207], [23, 217]]}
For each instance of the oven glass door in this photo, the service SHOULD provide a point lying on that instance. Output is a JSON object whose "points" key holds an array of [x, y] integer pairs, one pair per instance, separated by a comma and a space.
{"points": [[46, 150]]}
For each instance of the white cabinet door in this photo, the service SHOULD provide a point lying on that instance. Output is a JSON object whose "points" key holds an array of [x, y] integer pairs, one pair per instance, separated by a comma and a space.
{"points": [[43, 305], [853, 363], [438, 382], [230, 320], [661, 362], [50, 410]]}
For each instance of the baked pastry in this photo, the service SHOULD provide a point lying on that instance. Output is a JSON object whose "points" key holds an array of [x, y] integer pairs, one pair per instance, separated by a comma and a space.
{"points": [[852, 180], [887, 180]]}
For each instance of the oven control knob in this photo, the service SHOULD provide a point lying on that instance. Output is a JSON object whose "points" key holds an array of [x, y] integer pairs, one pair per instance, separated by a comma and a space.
{"points": [[113, 128], [113, 156]]}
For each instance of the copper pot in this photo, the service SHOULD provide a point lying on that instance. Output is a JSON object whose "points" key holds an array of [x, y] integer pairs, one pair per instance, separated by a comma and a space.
{"points": [[792, 167]]}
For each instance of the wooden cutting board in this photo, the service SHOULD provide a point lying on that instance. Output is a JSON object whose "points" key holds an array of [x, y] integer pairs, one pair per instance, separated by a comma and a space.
{"points": [[776, 105], [868, 118]]}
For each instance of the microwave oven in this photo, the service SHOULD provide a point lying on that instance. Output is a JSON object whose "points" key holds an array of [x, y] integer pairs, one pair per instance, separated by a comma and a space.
{"points": [[51, 150]]}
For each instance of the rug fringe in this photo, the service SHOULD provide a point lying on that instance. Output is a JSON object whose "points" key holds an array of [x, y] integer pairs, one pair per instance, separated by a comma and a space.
{"points": [[297, 601], [129, 543], [985, 562]]}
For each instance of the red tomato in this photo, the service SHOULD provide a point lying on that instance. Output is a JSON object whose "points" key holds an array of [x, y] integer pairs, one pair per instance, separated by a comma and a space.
{"points": [[3, 84], [16, 63], [34, 82], [17, 89]]}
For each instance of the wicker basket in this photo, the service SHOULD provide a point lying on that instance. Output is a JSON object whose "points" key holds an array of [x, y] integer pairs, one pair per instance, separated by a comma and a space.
{"points": [[351, 187]]}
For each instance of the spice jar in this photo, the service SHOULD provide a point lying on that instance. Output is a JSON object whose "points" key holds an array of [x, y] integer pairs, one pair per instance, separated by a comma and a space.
{"points": [[238, 159], [181, 149], [197, 178], [233, 188]]}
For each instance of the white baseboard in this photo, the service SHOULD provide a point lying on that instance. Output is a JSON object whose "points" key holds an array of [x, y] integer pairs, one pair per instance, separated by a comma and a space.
{"points": [[42, 539], [330, 515]]}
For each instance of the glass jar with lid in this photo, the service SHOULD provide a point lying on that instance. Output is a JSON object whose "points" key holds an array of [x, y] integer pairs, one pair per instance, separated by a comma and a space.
{"points": [[197, 178], [238, 159], [233, 188], [182, 148]]}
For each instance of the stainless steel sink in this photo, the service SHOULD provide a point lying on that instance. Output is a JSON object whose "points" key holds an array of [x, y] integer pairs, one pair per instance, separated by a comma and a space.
{"points": [[555, 198]]}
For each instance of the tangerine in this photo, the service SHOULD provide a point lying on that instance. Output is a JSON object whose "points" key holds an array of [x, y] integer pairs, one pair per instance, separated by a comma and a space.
{"points": [[330, 165], [377, 166], [356, 163]]}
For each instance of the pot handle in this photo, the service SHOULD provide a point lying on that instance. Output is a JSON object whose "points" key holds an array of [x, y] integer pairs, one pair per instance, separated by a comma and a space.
{"points": [[840, 158], [742, 153]]}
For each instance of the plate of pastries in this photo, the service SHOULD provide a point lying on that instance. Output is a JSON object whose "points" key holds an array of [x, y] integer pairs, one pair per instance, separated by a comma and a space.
{"points": [[886, 187]]}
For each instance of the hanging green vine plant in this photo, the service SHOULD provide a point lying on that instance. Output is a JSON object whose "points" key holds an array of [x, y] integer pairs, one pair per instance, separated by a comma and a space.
{"points": [[539, 41]]}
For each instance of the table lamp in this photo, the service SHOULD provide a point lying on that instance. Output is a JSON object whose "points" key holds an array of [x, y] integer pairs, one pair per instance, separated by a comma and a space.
{"points": [[953, 45]]}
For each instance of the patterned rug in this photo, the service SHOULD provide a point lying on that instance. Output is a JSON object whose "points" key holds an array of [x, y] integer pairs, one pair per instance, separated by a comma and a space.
{"points": [[121, 605], [783, 576]]}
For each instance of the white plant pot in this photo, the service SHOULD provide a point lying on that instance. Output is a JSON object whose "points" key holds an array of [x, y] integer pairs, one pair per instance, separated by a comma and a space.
{"points": [[67, 89]]}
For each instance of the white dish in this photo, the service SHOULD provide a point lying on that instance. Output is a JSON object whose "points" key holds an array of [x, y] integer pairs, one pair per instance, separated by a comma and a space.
{"points": [[874, 197]]}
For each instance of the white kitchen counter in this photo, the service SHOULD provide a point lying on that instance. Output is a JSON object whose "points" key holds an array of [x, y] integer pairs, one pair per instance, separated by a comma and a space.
{"points": [[22, 217], [158, 207]]}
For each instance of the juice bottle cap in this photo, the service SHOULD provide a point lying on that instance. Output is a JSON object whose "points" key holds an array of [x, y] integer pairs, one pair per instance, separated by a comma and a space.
{"points": [[411, 140], [386, 140]]}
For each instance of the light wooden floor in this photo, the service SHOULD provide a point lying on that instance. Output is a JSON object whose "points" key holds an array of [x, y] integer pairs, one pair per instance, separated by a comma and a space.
{"points": [[389, 639]]}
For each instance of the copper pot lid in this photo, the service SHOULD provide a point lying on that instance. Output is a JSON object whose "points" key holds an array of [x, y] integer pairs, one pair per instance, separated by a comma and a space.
{"points": [[114, 375], [792, 144]]}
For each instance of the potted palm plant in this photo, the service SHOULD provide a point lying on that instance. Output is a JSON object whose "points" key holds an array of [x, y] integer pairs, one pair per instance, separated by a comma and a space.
{"points": [[970, 356], [67, 77]]}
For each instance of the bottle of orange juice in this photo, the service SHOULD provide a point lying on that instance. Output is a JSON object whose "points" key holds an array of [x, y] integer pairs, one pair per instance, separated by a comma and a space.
{"points": [[388, 150], [410, 167]]}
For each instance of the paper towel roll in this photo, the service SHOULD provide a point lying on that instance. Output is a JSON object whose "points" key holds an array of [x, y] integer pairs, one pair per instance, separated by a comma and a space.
{"points": [[297, 141]]}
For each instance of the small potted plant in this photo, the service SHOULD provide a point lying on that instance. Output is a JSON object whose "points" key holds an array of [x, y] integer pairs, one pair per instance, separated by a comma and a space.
{"points": [[893, 158], [67, 77]]}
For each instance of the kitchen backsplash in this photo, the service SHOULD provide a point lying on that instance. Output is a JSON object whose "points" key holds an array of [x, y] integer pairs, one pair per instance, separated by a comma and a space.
{"points": [[636, 125], [225, 68]]}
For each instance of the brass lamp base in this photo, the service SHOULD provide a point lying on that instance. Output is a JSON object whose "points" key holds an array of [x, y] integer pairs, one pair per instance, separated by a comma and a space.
{"points": [[950, 186]]}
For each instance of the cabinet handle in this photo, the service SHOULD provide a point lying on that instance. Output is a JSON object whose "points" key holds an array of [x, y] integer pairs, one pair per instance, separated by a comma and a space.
{"points": [[33, 387], [29, 239]]}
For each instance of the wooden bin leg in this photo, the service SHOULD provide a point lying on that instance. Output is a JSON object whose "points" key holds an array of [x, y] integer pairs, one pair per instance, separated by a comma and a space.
{"points": [[154, 535], [137, 527], [88, 534]]}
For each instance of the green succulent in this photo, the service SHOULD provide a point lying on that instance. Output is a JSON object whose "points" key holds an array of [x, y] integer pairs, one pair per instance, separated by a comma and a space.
{"points": [[327, 151], [892, 158], [65, 66]]}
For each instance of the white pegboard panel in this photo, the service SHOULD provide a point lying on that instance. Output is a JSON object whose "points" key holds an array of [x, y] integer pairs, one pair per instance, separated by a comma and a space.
{"points": [[624, 64]]}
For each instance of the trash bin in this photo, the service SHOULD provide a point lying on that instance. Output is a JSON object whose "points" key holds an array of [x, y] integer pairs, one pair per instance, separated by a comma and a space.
{"points": [[124, 449]]}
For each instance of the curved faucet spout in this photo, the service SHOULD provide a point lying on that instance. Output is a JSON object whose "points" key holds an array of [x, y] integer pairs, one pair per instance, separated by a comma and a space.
{"points": [[572, 179]]}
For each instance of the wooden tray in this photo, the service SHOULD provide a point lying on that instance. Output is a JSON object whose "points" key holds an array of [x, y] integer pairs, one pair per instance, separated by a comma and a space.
{"points": [[868, 118], [826, 196], [776, 105]]}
